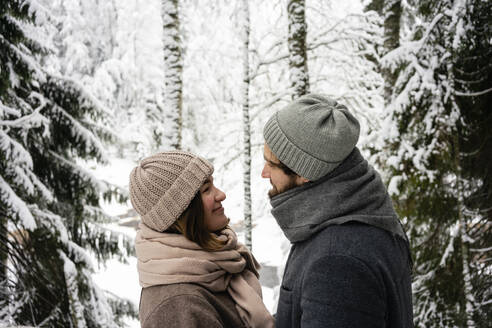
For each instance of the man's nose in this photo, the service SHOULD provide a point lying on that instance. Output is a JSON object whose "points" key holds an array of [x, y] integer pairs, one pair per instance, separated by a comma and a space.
{"points": [[265, 173]]}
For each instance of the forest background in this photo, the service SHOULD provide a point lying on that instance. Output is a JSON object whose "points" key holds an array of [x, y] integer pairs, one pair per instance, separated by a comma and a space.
{"points": [[87, 88]]}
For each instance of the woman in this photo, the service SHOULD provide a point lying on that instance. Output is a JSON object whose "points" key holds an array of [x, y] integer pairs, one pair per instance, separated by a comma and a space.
{"points": [[192, 270]]}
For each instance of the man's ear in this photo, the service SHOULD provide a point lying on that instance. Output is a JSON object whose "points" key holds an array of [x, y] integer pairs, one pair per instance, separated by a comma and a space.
{"points": [[301, 180]]}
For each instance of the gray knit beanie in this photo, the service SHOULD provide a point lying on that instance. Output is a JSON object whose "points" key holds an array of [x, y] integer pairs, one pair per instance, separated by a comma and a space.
{"points": [[163, 185], [312, 135]]}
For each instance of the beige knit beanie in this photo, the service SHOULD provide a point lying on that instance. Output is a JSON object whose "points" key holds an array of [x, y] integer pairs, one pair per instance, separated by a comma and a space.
{"points": [[163, 185]]}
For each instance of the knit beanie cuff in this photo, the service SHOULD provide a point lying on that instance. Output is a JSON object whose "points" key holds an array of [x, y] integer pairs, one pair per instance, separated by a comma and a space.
{"points": [[177, 198], [299, 161]]}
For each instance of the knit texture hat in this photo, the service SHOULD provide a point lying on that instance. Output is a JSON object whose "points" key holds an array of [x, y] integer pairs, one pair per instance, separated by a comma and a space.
{"points": [[312, 135], [163, 185]]}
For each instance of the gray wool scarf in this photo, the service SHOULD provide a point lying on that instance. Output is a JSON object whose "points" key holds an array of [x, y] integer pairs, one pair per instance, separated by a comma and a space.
{"points": [[352, 192]]}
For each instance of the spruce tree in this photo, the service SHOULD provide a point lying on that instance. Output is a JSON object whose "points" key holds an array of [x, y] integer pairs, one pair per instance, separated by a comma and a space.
{"points": [[434, 117], [473, 76], [49, 204]]}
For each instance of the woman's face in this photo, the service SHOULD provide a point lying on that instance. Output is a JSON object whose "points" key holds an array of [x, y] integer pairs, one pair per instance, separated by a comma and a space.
{"points": [[212, 198]]}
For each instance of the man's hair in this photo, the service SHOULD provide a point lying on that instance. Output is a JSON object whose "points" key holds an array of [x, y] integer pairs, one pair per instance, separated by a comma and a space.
{"points": [[191, 224], [284, 168]]}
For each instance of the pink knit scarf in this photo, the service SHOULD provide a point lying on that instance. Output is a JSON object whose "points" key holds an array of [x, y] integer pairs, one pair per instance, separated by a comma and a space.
{"points": [[168, 258]]}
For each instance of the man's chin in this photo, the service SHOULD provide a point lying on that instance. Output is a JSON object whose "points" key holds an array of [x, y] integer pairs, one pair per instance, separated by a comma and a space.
{"points": [[273, 192]]}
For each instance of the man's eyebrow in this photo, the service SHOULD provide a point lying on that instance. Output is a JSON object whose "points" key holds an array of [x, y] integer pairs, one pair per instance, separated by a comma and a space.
{"points": [[269, 160]]}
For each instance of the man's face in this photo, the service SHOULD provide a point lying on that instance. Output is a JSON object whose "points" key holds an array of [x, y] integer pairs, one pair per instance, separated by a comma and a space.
{"points": [[279, 180]]}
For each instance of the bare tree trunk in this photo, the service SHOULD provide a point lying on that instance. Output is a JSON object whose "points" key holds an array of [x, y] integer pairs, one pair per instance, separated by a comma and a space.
{"points": [[246, 127], [464, 239], [392, 15], [173, 70], [3, 249], [298, 66]]}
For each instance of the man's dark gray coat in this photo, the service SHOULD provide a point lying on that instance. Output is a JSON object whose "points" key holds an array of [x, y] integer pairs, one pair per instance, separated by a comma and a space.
{"points": [[350, 264]]}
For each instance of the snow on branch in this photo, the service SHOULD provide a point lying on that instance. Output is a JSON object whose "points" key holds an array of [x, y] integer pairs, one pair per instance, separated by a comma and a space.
{"points": [[77, 309], [13, 151], [34, 119], [86, 98], [409, 48], [55, 224], [27, 59], [6, 110], [472, 94], [100, 187], [37, 10], [16, 205], [84, 135]]}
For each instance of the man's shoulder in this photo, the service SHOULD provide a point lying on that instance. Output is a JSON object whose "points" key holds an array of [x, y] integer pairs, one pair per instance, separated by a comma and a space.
{"points": [[372, 246], [350, 236]]}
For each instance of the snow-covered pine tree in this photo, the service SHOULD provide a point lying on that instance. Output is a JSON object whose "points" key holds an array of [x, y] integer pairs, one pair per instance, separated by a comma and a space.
{"points": [[110, 48], [436, 109], [173, 70], [473, 85], [298, 61], [246, 126], [49, 204]]}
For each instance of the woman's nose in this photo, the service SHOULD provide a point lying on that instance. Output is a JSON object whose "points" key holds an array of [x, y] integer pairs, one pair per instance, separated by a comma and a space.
{"points": [[220, 196]]}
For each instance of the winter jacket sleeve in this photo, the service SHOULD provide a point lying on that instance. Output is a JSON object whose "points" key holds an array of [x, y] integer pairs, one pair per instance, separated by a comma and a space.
{"points": [[341, 291], [183, 311]]}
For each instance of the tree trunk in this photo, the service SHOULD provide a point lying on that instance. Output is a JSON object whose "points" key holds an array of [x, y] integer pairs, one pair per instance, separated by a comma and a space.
{"points": [[392, 15], [298, 66], [464, 239], [3, 249], [246, 128], [173, 69]]}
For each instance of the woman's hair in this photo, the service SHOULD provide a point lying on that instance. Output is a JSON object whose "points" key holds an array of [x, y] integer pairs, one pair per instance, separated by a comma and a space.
{"points": [[191, 224]]}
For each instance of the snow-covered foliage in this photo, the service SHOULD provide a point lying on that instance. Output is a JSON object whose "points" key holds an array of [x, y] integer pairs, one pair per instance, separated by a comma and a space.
{"points": [[50, 215], [424, 148], [138, 73]]}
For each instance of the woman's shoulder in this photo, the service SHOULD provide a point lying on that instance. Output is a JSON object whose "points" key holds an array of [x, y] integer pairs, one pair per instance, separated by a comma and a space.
{"points": [[180, 303], [174, 303], [167, 296], [164, 292]]}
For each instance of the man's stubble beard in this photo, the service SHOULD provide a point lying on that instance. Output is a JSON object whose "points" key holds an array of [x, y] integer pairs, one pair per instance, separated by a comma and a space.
{"points": [[274, 191]]}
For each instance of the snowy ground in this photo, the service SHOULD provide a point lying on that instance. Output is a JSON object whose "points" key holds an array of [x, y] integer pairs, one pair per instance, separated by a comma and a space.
{"points": [[269, 245]]}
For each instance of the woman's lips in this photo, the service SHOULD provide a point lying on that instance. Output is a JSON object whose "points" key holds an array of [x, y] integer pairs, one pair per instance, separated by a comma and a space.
{"points": [[218, 210]]}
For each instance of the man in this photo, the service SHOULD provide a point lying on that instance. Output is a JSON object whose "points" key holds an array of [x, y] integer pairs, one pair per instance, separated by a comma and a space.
{"points": [[349, 265]]}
